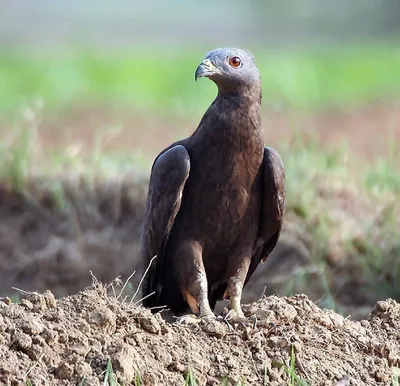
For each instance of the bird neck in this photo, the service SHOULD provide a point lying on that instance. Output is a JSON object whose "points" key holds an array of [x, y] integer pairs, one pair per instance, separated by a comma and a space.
{"points": [[245, 98], [243, 95]]}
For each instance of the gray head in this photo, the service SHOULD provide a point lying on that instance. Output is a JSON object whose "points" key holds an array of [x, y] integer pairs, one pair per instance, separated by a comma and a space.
{"points": [[229, 68]]}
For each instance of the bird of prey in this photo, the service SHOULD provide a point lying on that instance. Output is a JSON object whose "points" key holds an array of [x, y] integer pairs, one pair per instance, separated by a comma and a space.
{"points": [[215, 201]]}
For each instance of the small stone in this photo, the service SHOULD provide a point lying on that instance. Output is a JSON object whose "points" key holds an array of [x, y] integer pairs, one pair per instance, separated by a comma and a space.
{"points": [[337, 320], [83, 369], [179, 367], [285, 312], [214, 328], [265, 314], [92, 381], [50, 299], [150, 324], [38, 301], [363, 339], [22, 341], [125, 360], [382, 306], [32, 326], [65, 371], [50, 336], [231, 363], [163, 356], [81, 348], [104, 319], [26, 303], [63, 338], [324, 320]]}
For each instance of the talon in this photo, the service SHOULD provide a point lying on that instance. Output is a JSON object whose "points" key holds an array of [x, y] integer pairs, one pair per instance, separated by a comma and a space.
{"points": [[208, 316], [237, 317], [191, 319], [188, 320], [228, 315]]}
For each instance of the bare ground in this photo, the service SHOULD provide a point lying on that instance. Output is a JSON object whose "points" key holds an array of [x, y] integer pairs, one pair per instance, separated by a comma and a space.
{"points": [[71, 341]]}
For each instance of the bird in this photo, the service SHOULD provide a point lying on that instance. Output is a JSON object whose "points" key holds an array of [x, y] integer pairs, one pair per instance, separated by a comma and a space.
{"points": [[216, 199]]}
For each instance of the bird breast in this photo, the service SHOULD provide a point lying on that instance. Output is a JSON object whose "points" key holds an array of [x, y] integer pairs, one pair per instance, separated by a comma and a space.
{"points": [[225, 170]]}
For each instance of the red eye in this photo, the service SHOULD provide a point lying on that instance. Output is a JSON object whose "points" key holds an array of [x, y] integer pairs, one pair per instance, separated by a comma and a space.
{"points": [[235, 62]]}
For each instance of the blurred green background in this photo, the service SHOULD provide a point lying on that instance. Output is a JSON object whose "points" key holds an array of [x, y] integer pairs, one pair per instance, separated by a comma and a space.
{"points": [[312, 54], [95, 65]]}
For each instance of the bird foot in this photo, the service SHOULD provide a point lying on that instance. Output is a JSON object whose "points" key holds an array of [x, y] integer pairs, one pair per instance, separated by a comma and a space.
{"points": [[187, 320], [234, 317], [192, 319]]}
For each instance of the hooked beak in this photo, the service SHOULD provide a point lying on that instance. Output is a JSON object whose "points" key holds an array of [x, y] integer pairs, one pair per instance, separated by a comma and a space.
{"points": [[206, 69]]}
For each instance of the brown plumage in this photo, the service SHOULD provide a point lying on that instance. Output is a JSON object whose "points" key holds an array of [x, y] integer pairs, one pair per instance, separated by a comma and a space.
{"points": [[216, 199]]}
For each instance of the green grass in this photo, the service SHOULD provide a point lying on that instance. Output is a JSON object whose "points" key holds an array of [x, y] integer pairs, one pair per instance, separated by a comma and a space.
{"points": [[396, 377], [190, 378], [110, 378], [294, 378], [149, 79]]}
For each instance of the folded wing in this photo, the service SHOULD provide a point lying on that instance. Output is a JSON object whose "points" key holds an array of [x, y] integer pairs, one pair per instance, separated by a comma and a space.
{"points": [[167, 181], [272, 210]]}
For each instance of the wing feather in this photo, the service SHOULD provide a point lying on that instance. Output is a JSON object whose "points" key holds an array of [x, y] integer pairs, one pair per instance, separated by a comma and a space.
{"points": [[167, 181], [272, 208]]}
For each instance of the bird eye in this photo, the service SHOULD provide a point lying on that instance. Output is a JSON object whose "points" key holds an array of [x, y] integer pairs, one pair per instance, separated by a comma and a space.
{"points": [[235, 62]]}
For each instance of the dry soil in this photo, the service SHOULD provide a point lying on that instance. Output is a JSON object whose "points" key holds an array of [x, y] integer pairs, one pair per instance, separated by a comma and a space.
{"points": [[71, 341]]}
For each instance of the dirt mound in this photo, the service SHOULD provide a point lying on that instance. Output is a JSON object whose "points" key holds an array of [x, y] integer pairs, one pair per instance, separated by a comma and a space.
{"points": [[75, 340]]}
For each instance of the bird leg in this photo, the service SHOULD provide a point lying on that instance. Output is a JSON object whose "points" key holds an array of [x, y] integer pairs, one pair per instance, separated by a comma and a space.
{"points": [[235, 288], [204, 305], [236, 295], [194, 285], [197, 303]]}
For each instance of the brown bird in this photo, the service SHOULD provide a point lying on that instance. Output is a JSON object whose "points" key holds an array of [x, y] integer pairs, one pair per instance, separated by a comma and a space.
{"points": [[215, 202]]}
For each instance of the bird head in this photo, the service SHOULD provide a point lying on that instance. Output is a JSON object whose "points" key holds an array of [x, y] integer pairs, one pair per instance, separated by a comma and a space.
{"points": [[229, 68]]}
